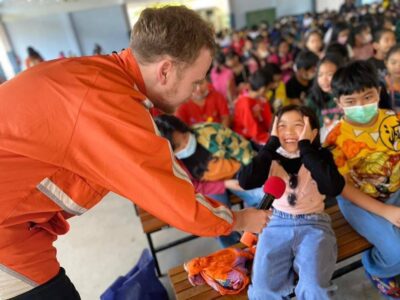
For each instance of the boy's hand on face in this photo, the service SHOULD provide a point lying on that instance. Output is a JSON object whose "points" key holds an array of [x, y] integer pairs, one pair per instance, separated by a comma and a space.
{"points": [[392, 214], [307, 133]]}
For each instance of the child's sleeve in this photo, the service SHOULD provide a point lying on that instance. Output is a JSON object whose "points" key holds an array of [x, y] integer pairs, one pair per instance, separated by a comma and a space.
{"points": [[254, 174], [322, 168]]}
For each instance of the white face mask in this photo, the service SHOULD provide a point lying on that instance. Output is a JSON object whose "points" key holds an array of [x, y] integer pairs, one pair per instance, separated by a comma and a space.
{"points": [[287, 154], [189, 149]]}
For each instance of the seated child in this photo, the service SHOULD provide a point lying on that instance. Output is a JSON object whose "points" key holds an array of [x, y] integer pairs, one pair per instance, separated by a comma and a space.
{"points": [[366, 148], [299, 237]]}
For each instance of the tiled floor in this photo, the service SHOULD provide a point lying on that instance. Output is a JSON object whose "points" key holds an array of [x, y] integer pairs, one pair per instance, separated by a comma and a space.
{"points": [[107, 241]]}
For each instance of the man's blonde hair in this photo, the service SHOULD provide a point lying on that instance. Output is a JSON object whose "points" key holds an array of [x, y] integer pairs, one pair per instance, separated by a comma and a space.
{"points": [[175, 31]]}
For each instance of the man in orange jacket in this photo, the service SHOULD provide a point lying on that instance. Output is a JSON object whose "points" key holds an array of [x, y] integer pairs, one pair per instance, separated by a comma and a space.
{"points": [[74, 129]]}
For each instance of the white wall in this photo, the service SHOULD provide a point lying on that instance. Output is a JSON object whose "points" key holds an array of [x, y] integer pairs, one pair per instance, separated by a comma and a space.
{"points": [[107, 26], [239, 8], [75, 32], [330, 5], [48, 35]]}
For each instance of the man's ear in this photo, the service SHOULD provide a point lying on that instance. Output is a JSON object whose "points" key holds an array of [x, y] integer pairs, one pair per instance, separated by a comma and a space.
{"points": [[164, 70]]}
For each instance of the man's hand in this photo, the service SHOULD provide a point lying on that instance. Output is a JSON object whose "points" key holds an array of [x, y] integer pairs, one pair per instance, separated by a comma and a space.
{"points": [[251, 220]]}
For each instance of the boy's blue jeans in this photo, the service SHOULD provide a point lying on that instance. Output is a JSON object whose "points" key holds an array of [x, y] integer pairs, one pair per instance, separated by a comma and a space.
{"points": [[250, 197], [305, 244], [383, 260]]}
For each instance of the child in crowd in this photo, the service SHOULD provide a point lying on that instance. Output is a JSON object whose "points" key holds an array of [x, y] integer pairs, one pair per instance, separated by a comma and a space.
{"points": [[205, 105], [361, 42], [392, 79], [277, 95], [252, 114], [366, 148], [222, 78], [284, 59], [313, 42], [211, 152], [321, 100], [240, 71], [299, 237], [304, 71], [384, 40]]}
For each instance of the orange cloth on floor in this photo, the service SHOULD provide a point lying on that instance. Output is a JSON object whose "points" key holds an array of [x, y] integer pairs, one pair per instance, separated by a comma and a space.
{"points": [[224, 270]]}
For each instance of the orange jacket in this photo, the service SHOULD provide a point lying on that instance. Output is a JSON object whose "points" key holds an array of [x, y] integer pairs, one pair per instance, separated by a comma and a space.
{"points": [[72, 130]]}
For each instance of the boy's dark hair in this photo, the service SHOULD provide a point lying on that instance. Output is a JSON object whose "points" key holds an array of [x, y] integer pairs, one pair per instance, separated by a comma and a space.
{"points": [[337, 49], [197, 164], [304, 111], [260, 78], [393, 50], [306, 60], [353, 78], [379, 34]]}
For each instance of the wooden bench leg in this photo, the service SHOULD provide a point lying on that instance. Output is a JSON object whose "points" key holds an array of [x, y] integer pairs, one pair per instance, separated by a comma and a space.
{"points": [[153, 252]]}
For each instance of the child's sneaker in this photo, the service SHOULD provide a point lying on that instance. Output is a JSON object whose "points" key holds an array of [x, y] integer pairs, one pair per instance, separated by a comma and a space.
{"points": [[387, 286]]}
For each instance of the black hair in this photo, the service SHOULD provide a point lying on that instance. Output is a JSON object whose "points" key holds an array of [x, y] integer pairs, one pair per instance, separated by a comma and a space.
{"points": [[379, 34], [220, 59], [33, 53], [338, 50], [304, 111], [197, 164], [306, 60], [354, 77], [260, 78], [357, 30], [393, 50], [317, 95], [274, 68], [310, 33], [338, 28]]}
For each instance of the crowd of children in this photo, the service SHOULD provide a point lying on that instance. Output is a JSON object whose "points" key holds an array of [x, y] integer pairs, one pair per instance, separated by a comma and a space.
{"points": [[318, 98]]}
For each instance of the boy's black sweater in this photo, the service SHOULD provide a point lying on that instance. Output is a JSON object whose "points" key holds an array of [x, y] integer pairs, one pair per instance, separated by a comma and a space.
{"points": [[317, 160]]}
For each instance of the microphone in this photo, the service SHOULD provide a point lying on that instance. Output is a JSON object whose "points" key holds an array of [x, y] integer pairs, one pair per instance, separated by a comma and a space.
{"points": [[274, 188]]}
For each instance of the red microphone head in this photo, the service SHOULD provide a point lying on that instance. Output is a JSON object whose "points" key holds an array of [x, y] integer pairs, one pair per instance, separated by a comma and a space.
{"points": [[275, 186]]}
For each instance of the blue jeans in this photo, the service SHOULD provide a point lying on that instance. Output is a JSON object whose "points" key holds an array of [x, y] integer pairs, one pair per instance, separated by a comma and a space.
{"points": [[250, 198], [383, 260], [305, 244]]}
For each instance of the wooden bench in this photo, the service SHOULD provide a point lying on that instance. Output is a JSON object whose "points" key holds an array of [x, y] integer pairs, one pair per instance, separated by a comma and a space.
{"points": [[151, 224], [348, 241]]}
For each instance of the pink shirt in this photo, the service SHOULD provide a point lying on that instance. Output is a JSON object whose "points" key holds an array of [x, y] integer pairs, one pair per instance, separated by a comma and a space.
{"points": [[309, 200], [221, 80]]}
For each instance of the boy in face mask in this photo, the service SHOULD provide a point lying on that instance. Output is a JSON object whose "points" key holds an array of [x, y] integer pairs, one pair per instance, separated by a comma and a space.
{"points": [[366, 148]]}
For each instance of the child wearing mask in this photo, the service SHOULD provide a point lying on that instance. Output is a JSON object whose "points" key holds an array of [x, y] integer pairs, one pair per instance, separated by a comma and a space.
{"points": [[366, 148], [304, 71], [299, 237], [210, 153]]}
